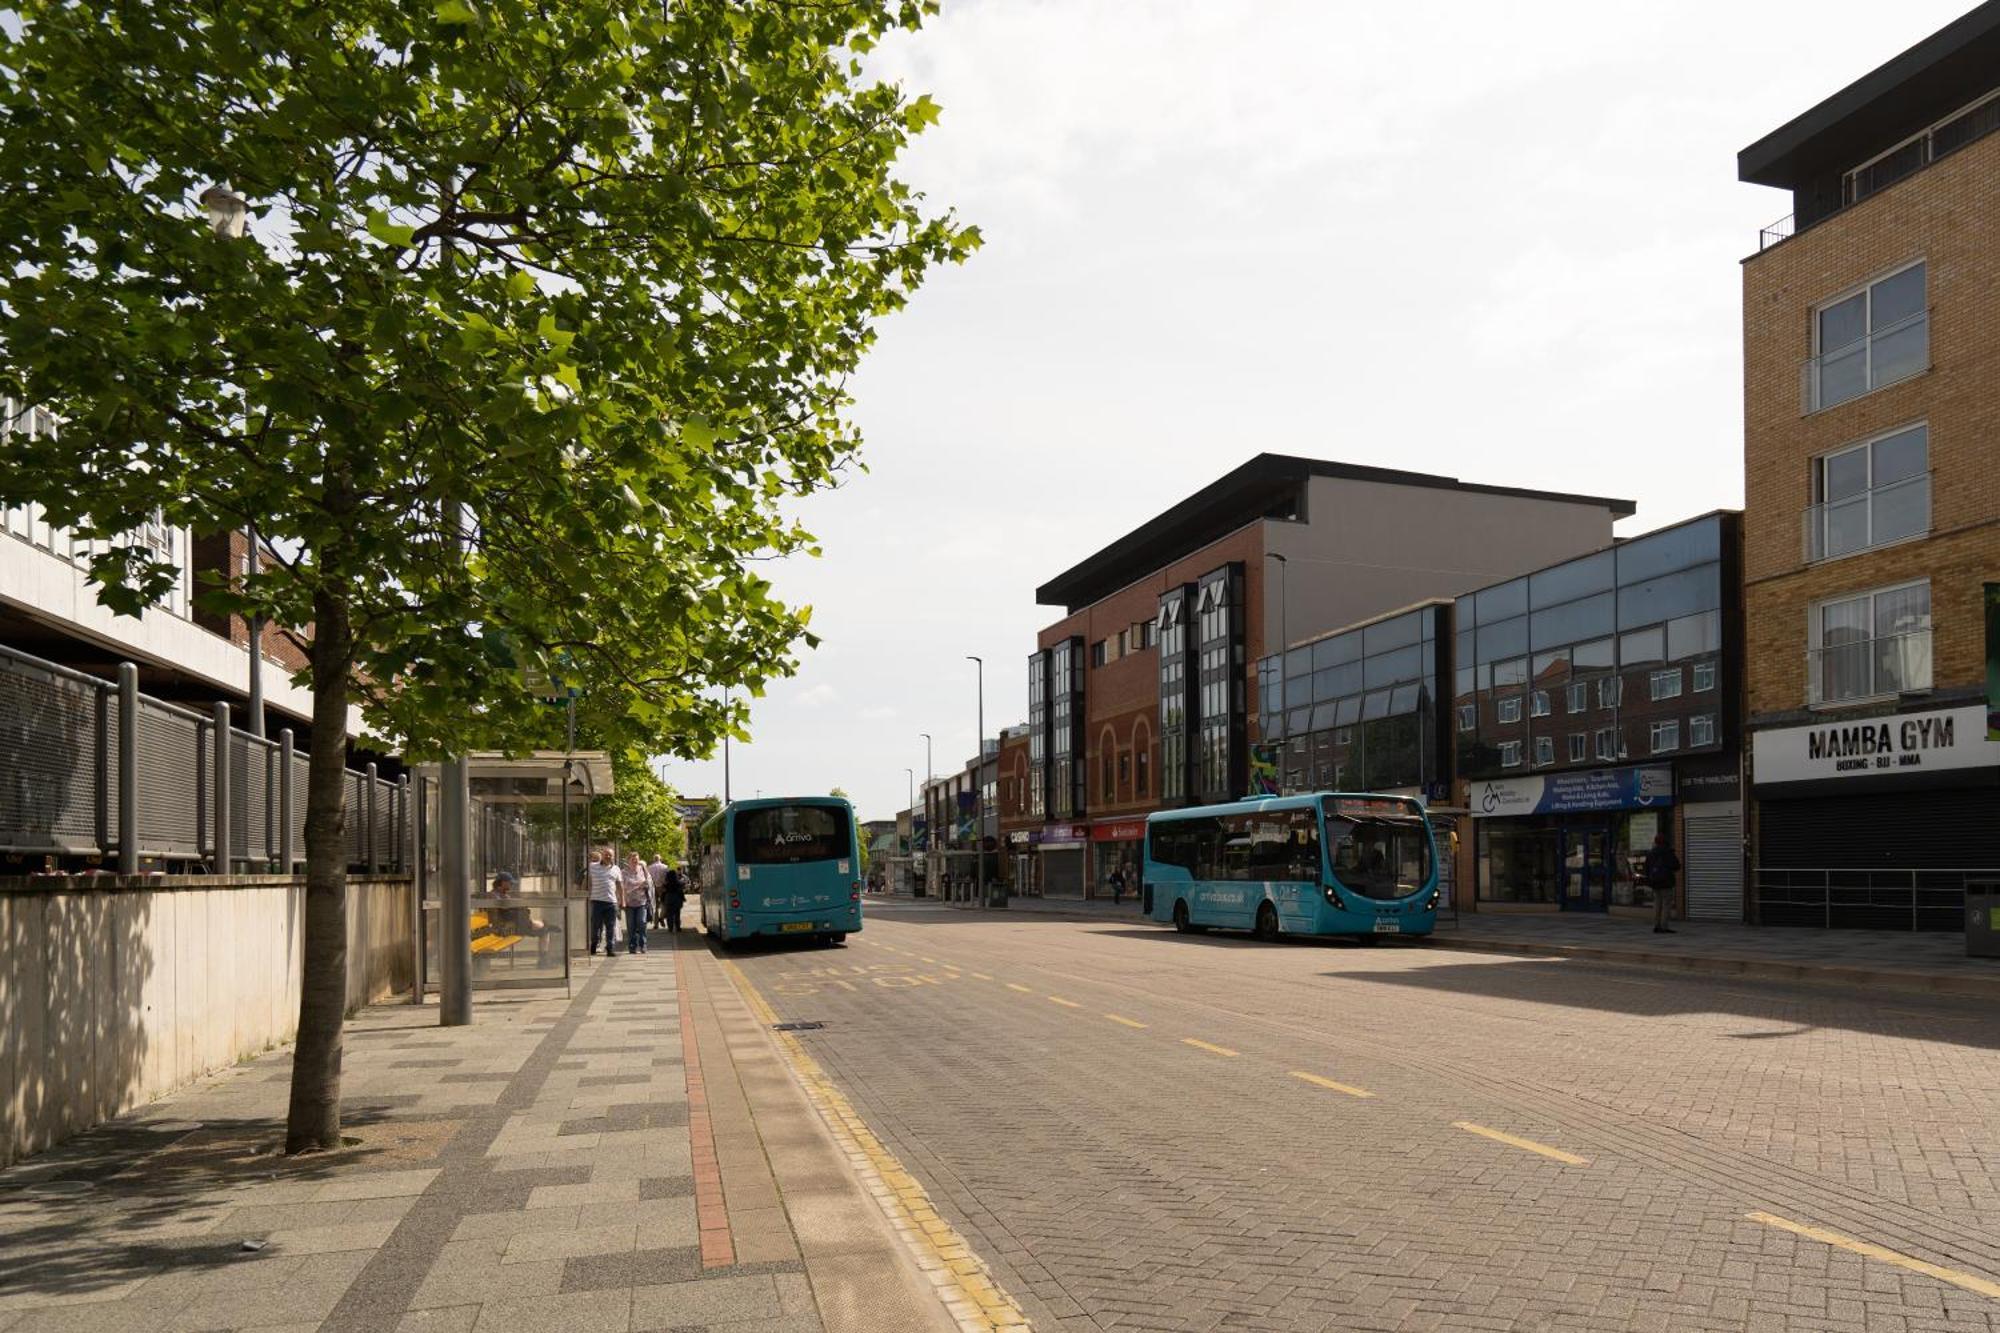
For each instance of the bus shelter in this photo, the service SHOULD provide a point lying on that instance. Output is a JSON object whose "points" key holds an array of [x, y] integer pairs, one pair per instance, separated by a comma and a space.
{"points": [[528, 820]]}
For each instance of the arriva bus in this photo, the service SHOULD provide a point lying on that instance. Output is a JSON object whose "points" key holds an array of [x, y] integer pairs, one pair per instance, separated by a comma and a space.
{"points": [[1327, 864], [784, 865]]}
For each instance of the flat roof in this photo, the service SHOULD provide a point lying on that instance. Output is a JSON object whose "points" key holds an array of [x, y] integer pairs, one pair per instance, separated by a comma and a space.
{"points": [[1890, 102], [1242, 496]]}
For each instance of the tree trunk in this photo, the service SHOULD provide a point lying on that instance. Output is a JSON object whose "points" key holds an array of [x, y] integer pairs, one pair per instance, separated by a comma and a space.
{"points": [[314, 1120]]}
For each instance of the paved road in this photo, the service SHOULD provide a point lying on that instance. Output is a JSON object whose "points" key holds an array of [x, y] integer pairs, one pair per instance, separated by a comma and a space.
{"points": [[1139, 1130]]}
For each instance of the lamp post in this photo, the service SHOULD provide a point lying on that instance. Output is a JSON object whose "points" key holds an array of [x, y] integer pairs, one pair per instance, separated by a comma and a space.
{"points": [[1284, 643], [979, 780], [930, 825], [229, 220]]}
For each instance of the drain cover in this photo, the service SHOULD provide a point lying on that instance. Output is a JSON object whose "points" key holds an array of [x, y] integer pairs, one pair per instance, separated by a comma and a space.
{"points": [[796, 1027]]}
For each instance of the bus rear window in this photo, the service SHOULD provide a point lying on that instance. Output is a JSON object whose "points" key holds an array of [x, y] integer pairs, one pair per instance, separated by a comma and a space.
{"points": [[789, 834]]}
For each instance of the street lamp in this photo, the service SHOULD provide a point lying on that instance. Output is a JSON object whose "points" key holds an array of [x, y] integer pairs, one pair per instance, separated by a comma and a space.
{"points": [[979, 779], [1284, 644], [229, 220]]}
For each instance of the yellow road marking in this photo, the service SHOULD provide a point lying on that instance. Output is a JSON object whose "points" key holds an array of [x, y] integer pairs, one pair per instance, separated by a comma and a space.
{"points": [[1067, 1004], [1500, 1137], [1205, 1046], [982, 976], [962, 1279], [1319, 1082], [1128, 1022], [1957, 1279], [1025, 990]]}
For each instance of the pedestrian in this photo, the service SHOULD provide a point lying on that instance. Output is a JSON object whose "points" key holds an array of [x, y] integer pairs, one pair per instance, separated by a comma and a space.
{"points": [[656, 874], [675, 898], [1661, 867], [635, 891], [603, 879], [1117, 885]]}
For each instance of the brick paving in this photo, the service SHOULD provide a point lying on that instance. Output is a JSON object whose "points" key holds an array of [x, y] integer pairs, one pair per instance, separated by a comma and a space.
{"points": [[533, 1171], [1114, 1176]]}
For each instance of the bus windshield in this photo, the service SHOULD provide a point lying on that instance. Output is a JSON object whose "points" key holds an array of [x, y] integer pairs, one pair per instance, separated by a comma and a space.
{"points": [[1379, 847], [789, 834]]}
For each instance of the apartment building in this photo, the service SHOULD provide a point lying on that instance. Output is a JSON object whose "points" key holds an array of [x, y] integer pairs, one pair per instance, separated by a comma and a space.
{"points": [[1871, 385]]}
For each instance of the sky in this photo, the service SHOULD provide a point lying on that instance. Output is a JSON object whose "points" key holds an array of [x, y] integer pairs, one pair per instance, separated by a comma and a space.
{"points": [[1498, 242]]}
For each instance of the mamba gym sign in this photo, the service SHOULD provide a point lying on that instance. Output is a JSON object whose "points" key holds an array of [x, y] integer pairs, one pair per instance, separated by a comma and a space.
{"points": [[1946, 738]]}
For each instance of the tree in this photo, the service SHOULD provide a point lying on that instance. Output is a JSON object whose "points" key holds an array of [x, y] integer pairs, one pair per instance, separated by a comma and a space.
{"points": [[642, 813], [544, 310]]}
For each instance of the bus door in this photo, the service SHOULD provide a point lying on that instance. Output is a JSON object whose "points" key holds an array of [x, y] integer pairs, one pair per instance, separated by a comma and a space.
{"points": [[1586, 869]]}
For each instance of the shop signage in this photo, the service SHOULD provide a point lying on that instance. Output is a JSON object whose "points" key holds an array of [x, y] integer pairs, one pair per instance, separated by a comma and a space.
{"points": [[1709, 778], [1941, 740], [1061, 833], [1019, 837], [1119, 830], [1560, 793]]}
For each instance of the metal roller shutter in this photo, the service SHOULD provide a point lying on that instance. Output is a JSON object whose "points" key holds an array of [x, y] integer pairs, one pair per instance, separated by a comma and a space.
{"points": [[1714, 861], [1062, 874]]}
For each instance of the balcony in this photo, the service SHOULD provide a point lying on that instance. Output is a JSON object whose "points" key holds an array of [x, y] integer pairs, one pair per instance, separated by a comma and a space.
{"points": [[1869, 668], [1891, 513], [1880, 357]]}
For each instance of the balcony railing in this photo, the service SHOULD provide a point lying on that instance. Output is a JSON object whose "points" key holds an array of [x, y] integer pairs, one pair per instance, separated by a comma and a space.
{"points": [[1781, 230], [1873, 518], [1869, 668], [1890, 353]]}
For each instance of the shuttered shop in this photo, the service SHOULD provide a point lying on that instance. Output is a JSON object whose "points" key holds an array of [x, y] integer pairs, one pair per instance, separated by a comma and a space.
{"points": [[1713, 872], [1894, 860]]}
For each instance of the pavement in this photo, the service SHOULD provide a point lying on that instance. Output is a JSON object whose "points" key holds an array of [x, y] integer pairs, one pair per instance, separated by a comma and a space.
{"points": [[640, 1154], [1876, 959], [1140, 1130]]}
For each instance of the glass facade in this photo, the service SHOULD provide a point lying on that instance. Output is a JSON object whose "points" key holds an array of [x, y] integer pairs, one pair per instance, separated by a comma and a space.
{"points": [[1357, 711], [1222, 756], [1610, 658], [1176, 694], [1038, 735]]}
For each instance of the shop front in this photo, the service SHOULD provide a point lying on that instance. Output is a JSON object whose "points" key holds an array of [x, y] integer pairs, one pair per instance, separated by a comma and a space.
{"points": [[1021, 864], [1878, 823], [1571, 841], [1062, 851], [1116, 844]]}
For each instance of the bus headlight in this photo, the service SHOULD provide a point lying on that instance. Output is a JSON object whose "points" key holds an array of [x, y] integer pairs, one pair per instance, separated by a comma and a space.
{"points": [[1333, 899], [1431, 906]]}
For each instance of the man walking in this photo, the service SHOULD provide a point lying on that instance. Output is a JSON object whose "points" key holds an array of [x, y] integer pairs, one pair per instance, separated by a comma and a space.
{"points": [[656, 871], [603, 878], [1661, 869], [674, 896], [635, 890], [1117, 885]]}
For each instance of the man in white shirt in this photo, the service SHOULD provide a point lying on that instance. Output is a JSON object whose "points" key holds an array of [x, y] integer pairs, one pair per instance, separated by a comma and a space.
{"points": [[656, 870], [602, 873]]}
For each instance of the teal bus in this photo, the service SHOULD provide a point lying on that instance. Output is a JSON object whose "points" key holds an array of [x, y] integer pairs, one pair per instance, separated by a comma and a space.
{"points": [[784, 866], [1331, 863]]}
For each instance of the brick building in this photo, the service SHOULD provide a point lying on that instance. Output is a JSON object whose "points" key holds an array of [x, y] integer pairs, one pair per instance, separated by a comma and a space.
{"points": [[1871, 331], [1142, 696]]}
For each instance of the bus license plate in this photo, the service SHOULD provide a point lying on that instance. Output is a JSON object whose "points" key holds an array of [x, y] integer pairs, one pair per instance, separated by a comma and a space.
{"points": [[795, 925], [1388, 927]]}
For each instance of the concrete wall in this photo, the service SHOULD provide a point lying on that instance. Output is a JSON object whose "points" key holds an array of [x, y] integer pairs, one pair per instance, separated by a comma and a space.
{"points": [[1370, 548], [116, 991]]}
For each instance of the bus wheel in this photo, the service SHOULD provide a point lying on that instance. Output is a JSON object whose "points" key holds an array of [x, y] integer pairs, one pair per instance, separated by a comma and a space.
{"points": [[838, 937], [1267, 922], [1181, 922]]}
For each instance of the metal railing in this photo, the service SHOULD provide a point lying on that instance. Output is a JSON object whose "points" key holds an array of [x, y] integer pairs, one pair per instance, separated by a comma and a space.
{"points": [[92, 769], [1878, 358], [1865, 899], [1869, 668], [1873, 518], [1781, 230]]}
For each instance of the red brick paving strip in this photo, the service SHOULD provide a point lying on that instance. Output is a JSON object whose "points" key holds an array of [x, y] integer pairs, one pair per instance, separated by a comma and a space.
{"points": [[711, 1214]]}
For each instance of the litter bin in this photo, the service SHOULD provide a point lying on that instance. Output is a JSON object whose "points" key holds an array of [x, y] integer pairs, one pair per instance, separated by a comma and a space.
{"points": [[1982, 918]]}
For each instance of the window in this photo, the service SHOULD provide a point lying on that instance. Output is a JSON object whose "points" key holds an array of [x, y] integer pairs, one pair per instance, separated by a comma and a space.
{"points": [[1607, 743], [1510, 754], [1110, 786], [1666, 736], [1509, 709], [1097, 653], [790, 834], [1538, 704], [1468, 717], [1874, 337], [1579, 747], [1545, 750], [1870, 494], [1145, 763], [1875, 643], [1701, 730], [1610, 691], [1704, 676], [1666, 684], [1579, 697]]}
